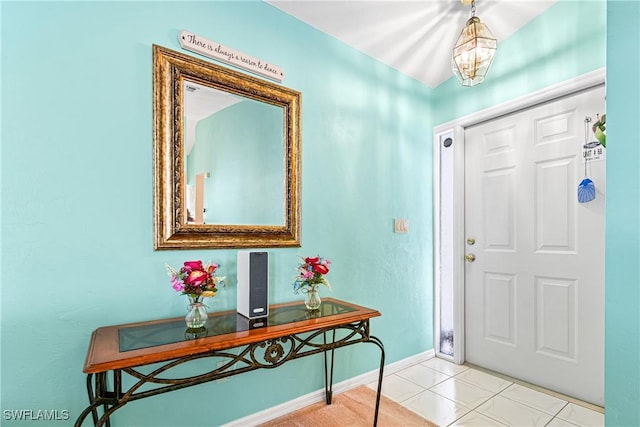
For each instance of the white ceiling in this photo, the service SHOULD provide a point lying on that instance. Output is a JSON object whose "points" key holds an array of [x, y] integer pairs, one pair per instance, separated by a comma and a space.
{"points": [[415, 37]]}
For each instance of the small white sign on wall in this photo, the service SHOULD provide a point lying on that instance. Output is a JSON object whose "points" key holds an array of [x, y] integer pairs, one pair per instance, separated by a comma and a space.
{"points": [[215, 50], [593, 151]]}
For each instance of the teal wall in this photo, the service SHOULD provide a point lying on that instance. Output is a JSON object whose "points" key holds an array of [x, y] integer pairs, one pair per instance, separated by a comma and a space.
{"points": [[77, 237], [622, 380]]}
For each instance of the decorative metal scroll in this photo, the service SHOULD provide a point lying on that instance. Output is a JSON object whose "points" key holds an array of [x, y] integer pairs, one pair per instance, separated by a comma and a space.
{"points": [[265, 354]]}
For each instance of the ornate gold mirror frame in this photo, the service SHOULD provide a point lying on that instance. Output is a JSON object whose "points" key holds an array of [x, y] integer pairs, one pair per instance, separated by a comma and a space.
{"points": [[172, 230]]}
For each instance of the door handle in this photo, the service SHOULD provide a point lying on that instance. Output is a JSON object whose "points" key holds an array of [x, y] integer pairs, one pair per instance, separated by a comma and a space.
{"points": [[470, 257]]}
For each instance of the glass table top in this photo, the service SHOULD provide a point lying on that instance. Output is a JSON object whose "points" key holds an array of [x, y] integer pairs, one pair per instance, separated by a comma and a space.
{"points": [[137, 337]]}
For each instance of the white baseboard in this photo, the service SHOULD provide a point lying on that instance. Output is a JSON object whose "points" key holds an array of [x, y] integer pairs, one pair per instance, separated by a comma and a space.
{"points": [[318, 395]]}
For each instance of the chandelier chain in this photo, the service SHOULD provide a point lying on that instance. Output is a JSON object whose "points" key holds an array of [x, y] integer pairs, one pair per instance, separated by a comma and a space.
{"points": [[473, 8]]}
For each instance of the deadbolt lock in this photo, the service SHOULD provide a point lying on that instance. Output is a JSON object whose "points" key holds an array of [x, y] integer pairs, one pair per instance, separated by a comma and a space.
{"points": [[471, 241], [470, 257]]}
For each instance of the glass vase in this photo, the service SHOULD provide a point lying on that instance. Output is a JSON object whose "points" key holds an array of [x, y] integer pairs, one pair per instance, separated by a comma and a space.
{"points": [[312, 300], [197, 315]]}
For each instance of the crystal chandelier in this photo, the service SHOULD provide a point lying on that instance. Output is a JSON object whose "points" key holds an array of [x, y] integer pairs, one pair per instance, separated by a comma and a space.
{"points": [[474, 51]]}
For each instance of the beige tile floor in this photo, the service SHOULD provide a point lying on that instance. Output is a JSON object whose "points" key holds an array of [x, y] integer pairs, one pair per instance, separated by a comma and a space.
{"points": [[458, 395]]}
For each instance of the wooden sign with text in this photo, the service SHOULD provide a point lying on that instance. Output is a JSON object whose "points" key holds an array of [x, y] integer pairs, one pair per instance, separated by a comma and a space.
{"points": [[214, 50]]}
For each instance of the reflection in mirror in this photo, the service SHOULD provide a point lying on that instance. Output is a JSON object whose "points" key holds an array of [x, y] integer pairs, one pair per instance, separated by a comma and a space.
{"points": [[226, 157]]}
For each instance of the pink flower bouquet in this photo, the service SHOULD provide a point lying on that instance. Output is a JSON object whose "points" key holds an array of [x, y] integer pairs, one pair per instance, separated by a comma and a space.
{"points": [[196, 279]]}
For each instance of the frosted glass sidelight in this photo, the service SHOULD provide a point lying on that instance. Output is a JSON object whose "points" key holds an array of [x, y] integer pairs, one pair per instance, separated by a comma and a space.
{"points": [[445, 250]]}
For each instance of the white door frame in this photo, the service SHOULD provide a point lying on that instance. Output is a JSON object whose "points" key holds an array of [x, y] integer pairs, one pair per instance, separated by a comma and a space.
{"points": [[456, 129]]}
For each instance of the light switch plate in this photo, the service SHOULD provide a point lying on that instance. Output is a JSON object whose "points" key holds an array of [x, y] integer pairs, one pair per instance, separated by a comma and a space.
{"points": [[400, 225]]}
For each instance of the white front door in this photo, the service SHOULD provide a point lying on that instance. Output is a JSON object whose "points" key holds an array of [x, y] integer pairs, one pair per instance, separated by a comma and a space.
{"points": [[534, 295]]}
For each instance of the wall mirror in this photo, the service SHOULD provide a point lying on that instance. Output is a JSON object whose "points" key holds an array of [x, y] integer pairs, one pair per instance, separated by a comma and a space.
{"points": [[226, 157]]}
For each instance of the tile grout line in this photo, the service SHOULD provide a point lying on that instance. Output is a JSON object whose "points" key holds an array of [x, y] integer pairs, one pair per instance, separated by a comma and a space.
{"points": [[471, 408], [437, 394], [500, 393], [534, 387], [566, 403], [410, 397], [431, 386], [474, 407], [555, 417]]}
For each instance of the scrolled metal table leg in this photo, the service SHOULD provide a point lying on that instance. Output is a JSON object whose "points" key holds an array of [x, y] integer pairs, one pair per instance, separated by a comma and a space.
{"points": [[377, 342], [89, 409], [96, 401], [93, 401], [328, 371], [94, 411]]}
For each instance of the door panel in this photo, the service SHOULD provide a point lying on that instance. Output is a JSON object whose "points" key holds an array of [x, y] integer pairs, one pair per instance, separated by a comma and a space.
{"points": [[499, 211], [499, 316], [534, 295], [555, 317], [555, 223]]}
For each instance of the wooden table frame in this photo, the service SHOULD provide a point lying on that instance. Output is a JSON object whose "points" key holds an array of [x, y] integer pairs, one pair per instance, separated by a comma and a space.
{"points": [[242, 351]]}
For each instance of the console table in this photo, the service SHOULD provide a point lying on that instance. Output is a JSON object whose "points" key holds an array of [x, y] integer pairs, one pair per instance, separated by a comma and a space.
{"points": [[118, 355]]}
